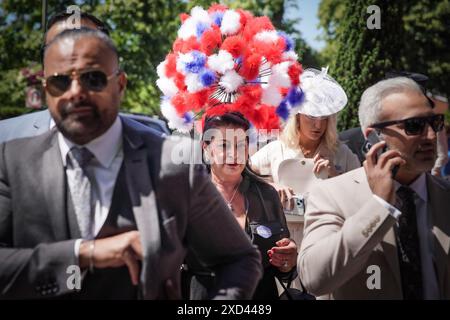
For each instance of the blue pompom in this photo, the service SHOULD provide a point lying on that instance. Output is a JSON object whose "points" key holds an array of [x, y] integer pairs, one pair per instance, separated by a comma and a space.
{"points": [[197, 63], [283, 110], [290, 44], [188, 117], [207, 77], [217, 18], [200, 28], [238, 60], [295, 96]]}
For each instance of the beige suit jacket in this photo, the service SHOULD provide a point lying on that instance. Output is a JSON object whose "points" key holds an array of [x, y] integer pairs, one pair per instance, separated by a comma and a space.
{"points": [[347, 230]]}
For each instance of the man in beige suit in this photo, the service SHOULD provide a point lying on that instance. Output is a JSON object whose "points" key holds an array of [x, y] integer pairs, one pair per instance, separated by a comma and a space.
{"points": [[383, 231]]}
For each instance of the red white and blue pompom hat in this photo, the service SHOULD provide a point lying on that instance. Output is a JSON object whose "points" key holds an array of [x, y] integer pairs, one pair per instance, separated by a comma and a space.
{"points": [[229, 61]]}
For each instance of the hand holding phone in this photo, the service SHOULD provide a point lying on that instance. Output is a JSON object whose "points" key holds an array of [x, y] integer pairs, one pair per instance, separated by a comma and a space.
{"points": [[381, 165], [372, 139]]}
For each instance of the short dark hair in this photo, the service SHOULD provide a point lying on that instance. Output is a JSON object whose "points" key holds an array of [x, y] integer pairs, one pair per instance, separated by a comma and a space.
{"points": [[63, 15], [229, 118], [84, 32]]}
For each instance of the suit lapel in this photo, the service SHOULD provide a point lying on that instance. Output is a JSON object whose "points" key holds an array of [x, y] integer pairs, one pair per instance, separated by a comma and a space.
{"points": [[388, 244], [438, 202], [144, 205], [42, 122], [53, 186]]}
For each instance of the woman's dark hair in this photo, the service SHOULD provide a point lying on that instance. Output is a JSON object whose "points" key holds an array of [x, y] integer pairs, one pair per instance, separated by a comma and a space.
{"points": [[229, 118]]}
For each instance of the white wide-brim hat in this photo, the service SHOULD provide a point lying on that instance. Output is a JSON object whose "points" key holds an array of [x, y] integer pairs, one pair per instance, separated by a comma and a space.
{"points": [[323, 95]]}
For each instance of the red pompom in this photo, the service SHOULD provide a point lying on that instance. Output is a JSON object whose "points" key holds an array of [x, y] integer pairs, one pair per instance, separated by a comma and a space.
{"points": [[179, 103], [211, 39], [234, 45], [250, 66], [271, 51], [294, 71], [244, 104], [217, 110], [217, 8], [258, 117], [197, 100], [245, 16], [185, 46], [272, 122], [253, 91], [179, 81], [257, 25], [171, 65], [184, 17]]}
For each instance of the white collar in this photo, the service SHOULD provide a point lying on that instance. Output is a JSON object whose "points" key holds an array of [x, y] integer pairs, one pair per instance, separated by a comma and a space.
{"points": [[419, 186], [104, 147]]}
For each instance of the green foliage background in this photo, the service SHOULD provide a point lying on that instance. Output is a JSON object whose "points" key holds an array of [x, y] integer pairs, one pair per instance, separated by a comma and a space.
{"points": [[414, 36]]}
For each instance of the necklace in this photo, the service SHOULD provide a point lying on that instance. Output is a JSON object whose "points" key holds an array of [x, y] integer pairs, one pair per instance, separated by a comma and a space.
{"points": [[229, 203], [307, 153]]}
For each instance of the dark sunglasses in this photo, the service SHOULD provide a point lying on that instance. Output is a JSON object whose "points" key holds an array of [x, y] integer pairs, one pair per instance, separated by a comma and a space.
{"points": [[415, 126], [92, 80]]}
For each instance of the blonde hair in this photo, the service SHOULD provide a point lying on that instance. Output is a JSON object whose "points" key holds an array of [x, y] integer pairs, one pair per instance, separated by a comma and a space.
{"points": [[290, 134]]}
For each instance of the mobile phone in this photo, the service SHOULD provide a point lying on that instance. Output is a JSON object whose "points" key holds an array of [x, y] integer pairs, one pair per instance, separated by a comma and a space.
{"points": [[372, 139]]}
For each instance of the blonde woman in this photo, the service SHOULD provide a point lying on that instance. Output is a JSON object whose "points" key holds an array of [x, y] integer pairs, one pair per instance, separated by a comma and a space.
{"points": [[311, 133]]}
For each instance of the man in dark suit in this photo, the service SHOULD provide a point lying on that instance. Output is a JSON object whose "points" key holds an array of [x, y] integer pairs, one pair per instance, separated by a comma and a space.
{"points": [[104, 194]]}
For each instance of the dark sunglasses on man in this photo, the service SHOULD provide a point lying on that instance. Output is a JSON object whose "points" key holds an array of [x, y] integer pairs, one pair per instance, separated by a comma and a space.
{"points": [[91, 80], [415, 126]]}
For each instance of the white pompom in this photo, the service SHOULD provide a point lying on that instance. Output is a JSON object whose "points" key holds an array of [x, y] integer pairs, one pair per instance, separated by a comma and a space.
{"points": [[193, 83], [267, 36], [271, 96], [231, 81], [221, 62], [167, 86], [174, 120], [290, 55], [231, 22], [280, 76], [188, 29], [200, 15], [161, 69]]}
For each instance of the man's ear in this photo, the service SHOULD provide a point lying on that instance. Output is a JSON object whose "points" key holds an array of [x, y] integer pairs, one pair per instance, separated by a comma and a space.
{"points": [[122, 83], [367, 131]]}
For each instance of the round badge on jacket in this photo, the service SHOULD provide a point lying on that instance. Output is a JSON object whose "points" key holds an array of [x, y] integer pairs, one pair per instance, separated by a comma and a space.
{"points": [[264, 232]]}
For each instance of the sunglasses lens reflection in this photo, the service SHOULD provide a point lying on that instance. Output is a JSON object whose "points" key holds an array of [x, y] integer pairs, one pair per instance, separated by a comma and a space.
{"points": [[92, 80]]}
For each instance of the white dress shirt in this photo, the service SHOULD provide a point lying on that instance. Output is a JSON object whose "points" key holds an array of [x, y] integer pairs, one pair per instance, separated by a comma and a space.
{"points": [[424, 228], [104, 169]]}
